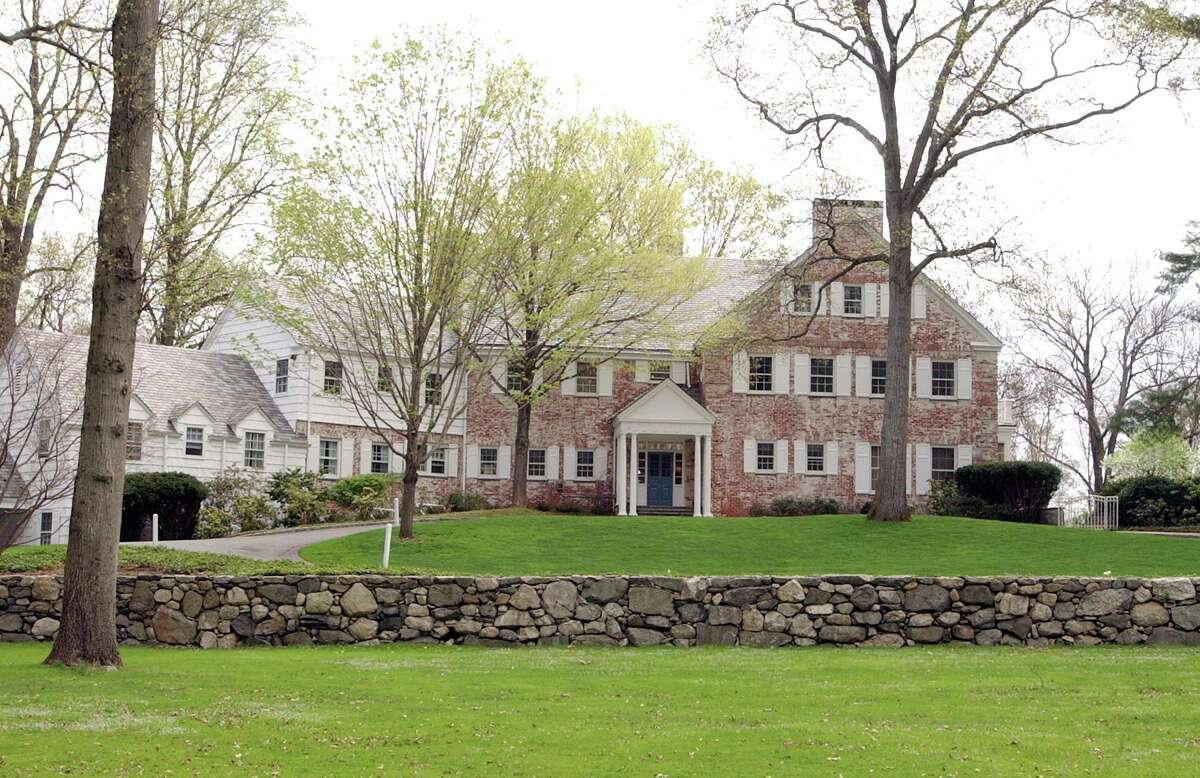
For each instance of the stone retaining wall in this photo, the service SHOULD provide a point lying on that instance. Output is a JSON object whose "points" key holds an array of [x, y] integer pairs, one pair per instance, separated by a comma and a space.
{"points": [[626, 610]]}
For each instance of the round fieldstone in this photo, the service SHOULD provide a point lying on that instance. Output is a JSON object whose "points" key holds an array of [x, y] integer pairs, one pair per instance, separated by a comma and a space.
{"points": [[558, 598], [318, 602], [1186, 617], [1173, 589], [604, 590], [652, 600], [358, 601], [1150, 614], [363, 629], [45, 627], [926, 598], [525, 598], [172, 627], [280, 594], [1104, 601]]}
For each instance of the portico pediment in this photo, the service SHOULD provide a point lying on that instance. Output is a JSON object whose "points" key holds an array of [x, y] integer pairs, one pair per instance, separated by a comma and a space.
{"points": [[665, 409]]}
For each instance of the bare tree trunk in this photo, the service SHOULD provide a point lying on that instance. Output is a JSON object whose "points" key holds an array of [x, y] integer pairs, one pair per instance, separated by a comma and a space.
{"points": [[88, 632], [13, 267], [408, 501], [520, 457], [891, 493], [169, 323]]}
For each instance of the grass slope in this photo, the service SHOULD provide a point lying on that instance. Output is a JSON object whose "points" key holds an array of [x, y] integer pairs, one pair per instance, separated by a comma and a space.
{"points": [[432, 710], [528, 543], [164, 560]]}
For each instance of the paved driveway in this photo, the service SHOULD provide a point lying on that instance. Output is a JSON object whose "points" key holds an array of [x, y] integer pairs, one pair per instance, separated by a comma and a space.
{"points": [[284, 544]]}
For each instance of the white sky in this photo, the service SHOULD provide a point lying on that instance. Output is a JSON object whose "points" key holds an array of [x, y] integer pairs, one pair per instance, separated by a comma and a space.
{"points": [[1125, 194]]}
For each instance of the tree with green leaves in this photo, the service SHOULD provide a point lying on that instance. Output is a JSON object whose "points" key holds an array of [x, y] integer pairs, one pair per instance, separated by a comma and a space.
{"points": [[383, 236], [925, 90], [1154, 452], [590, 227]]}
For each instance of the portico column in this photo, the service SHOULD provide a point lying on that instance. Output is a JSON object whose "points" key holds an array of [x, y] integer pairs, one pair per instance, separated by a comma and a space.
{"points": [[633, 474], [620, 475], [708, 508], [697, 476]]}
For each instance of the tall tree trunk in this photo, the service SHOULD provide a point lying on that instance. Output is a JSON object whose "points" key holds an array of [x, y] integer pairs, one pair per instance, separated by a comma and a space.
{"points": [[13, 266], [520, 457], [169, 321], [891, 493], [88, 631], [408, 500]]}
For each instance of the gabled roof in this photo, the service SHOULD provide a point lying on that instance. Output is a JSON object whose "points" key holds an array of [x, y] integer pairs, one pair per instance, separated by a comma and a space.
{"points": [[666, 402], [166, 380]]}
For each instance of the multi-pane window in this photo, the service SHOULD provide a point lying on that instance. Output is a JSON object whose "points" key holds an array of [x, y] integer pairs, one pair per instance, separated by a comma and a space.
{"points": [[678, 468], [659, 372], [333, 377], [46, 528], [876, 454], [802, 297], [820, 376], [537, 463], [488, 461], [762, 374], [44, 435], [381, 457], [878, 376], [814, 457], [852, 300], [193, 442], [641, 467], [327, 457], [765, 457], [437, 461], [585, 464], [255, 450], [133, 441], [513, 378], [433, 389], [383, 380], [942, 465], [943, 379], [282, 369], [585, 378]]}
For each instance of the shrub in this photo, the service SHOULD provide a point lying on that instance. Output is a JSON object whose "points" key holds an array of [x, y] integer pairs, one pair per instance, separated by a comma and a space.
{"points": [[1156, 501], [1009, 491], [214, 523], [298, 494], [944, 499], [279, 483], [348, 490], [175, 497], [465, 501], [796, 506]]}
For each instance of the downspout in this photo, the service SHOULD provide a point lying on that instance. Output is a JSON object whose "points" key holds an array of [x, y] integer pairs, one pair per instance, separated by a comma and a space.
{"points": [[462, 446], [307, 408]]}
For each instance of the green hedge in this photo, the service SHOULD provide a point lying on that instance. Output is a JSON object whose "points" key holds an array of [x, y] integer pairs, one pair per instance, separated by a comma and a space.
{"points": [[1005, 491], [1156, 501], [175, 497]]}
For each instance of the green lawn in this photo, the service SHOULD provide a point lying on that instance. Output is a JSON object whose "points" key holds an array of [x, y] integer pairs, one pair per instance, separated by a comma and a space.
{"points": [[164, 560], [434, 710], [528, 543]]}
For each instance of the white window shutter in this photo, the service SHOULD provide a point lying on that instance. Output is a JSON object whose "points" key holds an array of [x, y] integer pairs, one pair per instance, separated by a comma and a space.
{"points": [[803, 373], [781, 456], [346, 458], [641, 371], [841, 375], [963, 379], [800, 456], [823, 308], [314, 452], [504, 461], [604, 379], [918, 301], [679, 372], [552, 462], [862, 377], [908, 468], [499, 376], [537, 378], [837, 294], [749, 455], [397, 456], [451, 461], [567, 387], [741, 372], [963, 456], [472, 460], [600, 467], [364, 455], [785, 295], [831, 458], [862, 468], [870, 292], [781, 372], [924, 467], [924, 378], [885, 293], [568, 463]]}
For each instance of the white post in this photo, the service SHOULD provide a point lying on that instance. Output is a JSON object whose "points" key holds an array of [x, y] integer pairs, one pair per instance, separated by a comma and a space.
{"points": [[708, 509], [697, 477], [387, 544], [620, 475], [633, 474], [396, 511], [154, 528]]}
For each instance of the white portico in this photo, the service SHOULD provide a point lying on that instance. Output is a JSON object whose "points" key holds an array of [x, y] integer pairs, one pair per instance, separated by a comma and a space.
{"points": [[653, 439]]}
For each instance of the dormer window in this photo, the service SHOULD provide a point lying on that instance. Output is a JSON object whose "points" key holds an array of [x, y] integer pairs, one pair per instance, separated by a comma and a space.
{"points": [[255, 450], [44, 434], [282, 369], [659, 372], [193, 442], [133, 441], [383, 381], [585, 377], [802, 297], [333, 377], [433, 389]]}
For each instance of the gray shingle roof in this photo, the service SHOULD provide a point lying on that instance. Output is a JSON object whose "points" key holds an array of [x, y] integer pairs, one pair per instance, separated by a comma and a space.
{"points": [[170, 380]]}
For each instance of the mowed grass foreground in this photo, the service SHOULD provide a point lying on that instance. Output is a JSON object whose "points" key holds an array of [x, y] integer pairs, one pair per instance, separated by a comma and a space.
{"points": [[435, 710], [530, 543]]}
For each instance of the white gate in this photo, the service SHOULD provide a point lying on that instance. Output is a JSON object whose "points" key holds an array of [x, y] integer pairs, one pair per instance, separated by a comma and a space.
{"points": [[1093, 511]]}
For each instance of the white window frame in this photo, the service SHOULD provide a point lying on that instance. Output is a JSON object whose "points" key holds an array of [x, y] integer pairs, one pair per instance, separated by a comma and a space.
{"points": [[327, 462], [484, 461], [813, 376], [659, 371], [46, 528], [764, 451], [433, 383], [589, 383], [188, 441], [819, 458], [876, 466], [283, 371], [760, 382], [872, 378], [334, 376], [943, 384], [529, 464], [437, 460], [797, 297], [942, 474], [386, 462], [248, 450], [45, 434], [585, 471], [133, 441], [385, 379], [846, 300], [512, 378]]}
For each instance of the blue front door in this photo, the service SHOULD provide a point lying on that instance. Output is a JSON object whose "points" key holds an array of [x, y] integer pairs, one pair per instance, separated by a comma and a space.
{"points": [[660, 477]]}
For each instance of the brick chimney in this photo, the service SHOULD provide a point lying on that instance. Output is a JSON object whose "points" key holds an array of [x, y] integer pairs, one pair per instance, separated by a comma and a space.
{"points": [[830, 216]]}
